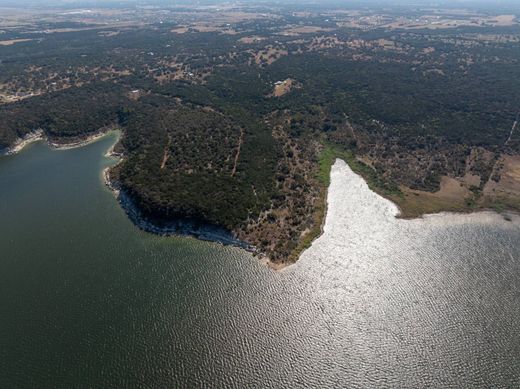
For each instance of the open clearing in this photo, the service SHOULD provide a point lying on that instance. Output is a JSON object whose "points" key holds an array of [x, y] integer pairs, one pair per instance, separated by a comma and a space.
{"points": [[13, 41]]}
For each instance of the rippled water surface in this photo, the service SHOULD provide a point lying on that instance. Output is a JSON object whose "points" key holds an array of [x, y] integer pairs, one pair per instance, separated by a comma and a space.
{"points": [[88, 300]]}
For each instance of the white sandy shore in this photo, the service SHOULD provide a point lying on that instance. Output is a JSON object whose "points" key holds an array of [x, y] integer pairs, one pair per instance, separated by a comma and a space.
{"points": [[79, 143], [39, 135], [20, 143]]}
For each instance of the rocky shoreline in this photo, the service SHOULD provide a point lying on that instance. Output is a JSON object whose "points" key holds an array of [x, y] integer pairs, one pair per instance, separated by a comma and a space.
{"points": [[178, 227], [20, 143], [39, 135]]}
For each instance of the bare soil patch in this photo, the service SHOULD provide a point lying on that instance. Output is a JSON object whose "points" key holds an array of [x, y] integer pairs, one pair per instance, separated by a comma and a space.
{"points": [[283, 87], [251, 39], [295, 31], [450, 197], [14, 41], [269, 55], [509, 182]]}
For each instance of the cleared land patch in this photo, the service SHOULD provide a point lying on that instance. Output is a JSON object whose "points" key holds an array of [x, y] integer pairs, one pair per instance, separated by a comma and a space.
{"points": [[13, 41]]}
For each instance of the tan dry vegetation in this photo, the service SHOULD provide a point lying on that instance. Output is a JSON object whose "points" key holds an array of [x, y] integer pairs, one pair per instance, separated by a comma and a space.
{"points": [[440, 72], [51, 82], [204, 27], [240, 16], [298, 30], [57, 30], [283, 88], [451, 196], [108, 33], [218, 21], [478, 157], [452, 11], [180, 30], [324, 43], [495, 38], [268, 55], [171, 70], [14, 41], [356, 43], [302, 14], [10, 98], [180, 73], [450, 21], [471, 179], [501, 191], [237, 155], [509, 182], [503, 20], [283, 228], [386, 43], [251, 39], [166, 153], [378, 44]]}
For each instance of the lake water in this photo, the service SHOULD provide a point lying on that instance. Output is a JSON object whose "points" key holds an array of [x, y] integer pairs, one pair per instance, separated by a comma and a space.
{"points": [[89, 300]]}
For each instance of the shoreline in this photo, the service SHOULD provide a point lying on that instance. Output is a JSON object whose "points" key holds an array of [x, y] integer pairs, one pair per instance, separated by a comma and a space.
{"points": [[463, 211], [20, 143], [402, 215], [39, 135], [199, 229], [503, 213], [147, 225], [305, 243], [80, 142], [178, 227]]}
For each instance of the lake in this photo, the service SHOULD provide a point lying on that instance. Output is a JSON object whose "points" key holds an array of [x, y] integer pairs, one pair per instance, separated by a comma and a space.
{"points": [[89, 300]]}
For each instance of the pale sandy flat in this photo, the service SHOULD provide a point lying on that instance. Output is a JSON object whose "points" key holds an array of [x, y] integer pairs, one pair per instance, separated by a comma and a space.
{"points": [[13, 41]]}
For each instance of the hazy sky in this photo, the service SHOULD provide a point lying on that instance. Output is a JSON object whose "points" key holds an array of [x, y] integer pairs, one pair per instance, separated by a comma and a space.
{"points": [[80, 3]]}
